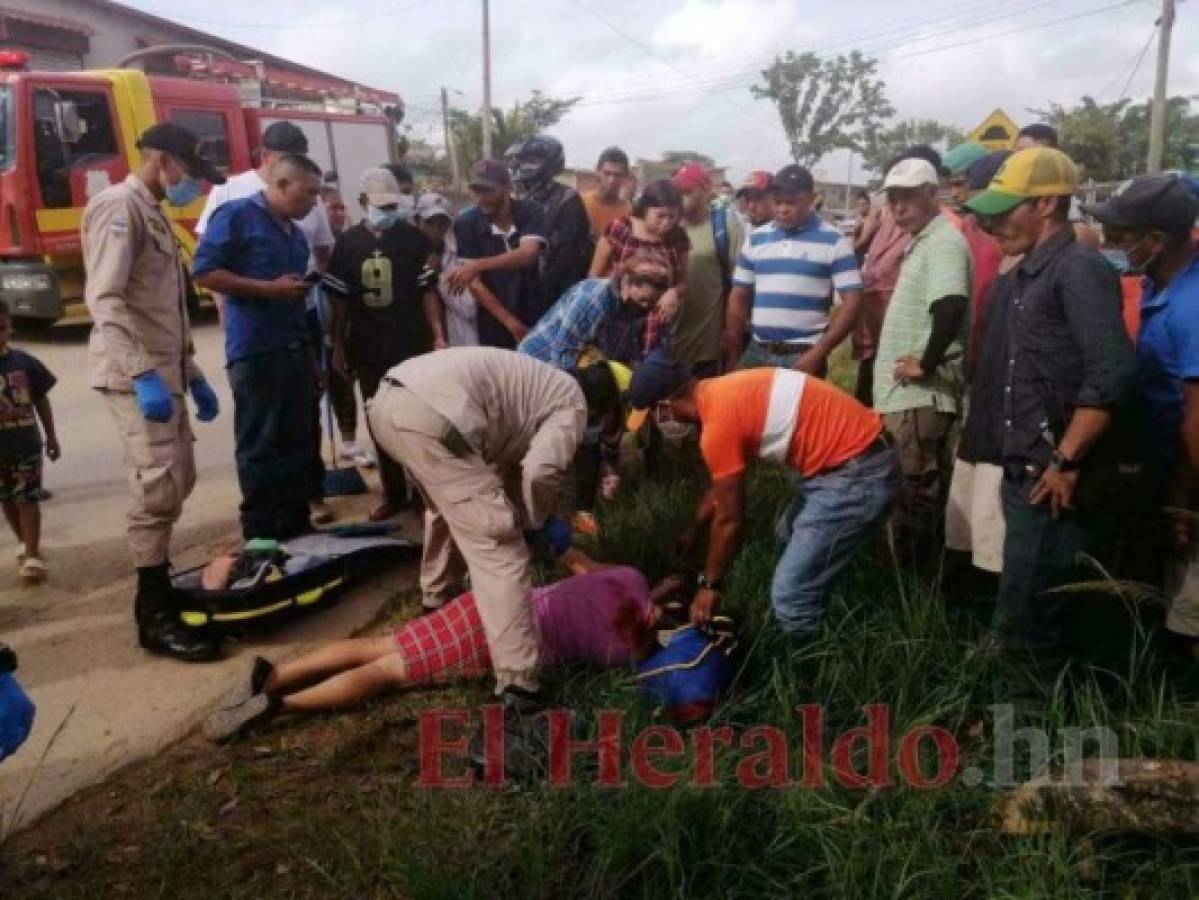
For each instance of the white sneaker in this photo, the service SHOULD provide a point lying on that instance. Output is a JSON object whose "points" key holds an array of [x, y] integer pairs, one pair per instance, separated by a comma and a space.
{"points": [[358, 456]]}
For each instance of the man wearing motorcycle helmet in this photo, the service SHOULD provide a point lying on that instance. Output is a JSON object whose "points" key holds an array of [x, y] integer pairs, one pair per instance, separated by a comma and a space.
{"points": [[534, 163]]}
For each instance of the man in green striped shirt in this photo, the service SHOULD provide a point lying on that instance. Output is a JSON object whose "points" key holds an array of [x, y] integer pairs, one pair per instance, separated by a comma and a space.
{"points": [[919, 373]]}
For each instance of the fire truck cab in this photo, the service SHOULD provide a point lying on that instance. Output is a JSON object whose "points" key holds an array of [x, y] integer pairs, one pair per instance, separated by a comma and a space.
{"points": [[66, 136]]}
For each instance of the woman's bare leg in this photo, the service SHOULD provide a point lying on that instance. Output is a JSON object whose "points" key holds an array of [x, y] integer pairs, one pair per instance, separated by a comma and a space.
{"points": [[331, 659], [351, 686]]}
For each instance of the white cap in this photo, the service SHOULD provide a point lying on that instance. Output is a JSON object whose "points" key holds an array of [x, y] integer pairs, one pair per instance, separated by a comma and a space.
{"points": [[431, 205], [380, 187], [911, 173]]}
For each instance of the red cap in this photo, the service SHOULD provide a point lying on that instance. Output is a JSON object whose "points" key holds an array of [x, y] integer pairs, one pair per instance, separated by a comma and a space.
{"points": [[756, 181], [692, 175]]}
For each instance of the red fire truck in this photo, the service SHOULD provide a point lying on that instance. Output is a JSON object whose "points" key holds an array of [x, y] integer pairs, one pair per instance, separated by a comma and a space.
{"points": [[64, 136]]}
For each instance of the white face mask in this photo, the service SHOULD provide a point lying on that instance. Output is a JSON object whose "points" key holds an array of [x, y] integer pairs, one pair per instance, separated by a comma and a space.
{"points": [[381, 219]]}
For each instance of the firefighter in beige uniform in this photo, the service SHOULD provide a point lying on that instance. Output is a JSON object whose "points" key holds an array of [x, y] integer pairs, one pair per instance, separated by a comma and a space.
{"points": [[142, 362], [488, 436]]}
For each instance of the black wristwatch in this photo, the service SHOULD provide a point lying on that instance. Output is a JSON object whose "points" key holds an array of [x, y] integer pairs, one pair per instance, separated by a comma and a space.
{"points": [[1062, 463], [705, 583]]}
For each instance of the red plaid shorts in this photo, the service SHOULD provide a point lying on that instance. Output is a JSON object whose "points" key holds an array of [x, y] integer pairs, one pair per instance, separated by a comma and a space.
{"points": [[444, 644]]}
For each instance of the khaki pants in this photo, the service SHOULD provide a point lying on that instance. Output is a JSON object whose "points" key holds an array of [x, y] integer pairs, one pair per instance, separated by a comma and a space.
{"points": [[469, 518], [921, 439], [1182, 584], [161, 466]]}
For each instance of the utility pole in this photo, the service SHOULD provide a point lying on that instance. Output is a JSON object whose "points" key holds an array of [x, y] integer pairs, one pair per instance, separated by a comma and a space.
{"points": [[486, 80], [1157, 117], [450, 150]]}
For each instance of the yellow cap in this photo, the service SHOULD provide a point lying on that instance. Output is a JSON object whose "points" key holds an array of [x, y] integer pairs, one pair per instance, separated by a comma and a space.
{"points": [[1035, 172]]}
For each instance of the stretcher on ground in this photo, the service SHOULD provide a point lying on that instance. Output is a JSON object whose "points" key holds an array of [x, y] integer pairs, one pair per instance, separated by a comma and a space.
{"points": [[266, 583]]}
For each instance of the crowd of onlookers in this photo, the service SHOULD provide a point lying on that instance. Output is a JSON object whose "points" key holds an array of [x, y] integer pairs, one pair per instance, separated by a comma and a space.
{"points": [[1029, 364]]}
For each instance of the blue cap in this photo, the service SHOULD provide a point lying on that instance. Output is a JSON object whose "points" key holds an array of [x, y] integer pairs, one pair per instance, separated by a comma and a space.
{"points": [[656, 379]]}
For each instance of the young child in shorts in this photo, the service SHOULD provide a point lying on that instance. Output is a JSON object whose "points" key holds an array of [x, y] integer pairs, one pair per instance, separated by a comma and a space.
{"points": [[603, 615], [24, 386]]}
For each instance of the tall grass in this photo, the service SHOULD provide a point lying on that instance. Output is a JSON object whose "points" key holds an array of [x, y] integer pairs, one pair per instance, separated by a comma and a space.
{"points": [[891, 639], [352, 823]]}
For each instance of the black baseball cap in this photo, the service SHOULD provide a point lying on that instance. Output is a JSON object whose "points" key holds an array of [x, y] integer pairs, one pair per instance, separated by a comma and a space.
{"points": [[284, 137], [184, 146], [792, 180], [982, 171], [1149, 202], [490, 175]]}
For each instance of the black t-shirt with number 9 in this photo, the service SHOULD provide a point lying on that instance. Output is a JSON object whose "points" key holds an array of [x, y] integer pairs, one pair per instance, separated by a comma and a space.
{"points": [[387, 320]]}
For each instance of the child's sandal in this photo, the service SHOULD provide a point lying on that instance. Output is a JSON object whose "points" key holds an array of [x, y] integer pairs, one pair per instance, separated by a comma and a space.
{"points": [[33, 569]]}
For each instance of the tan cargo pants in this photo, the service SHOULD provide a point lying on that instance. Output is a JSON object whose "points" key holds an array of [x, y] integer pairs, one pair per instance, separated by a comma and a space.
{"points": [[921, 440], [468, 512], [160, 464]]}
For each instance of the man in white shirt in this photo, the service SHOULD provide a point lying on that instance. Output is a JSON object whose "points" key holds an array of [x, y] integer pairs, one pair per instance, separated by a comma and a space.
{"points": [[278, 139]]}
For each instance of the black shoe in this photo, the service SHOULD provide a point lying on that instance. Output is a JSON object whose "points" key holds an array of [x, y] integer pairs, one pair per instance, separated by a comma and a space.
{"points": [[260, 673], [174, 639], [525, 747], [522, 701], [229, 722], [526, 736]]}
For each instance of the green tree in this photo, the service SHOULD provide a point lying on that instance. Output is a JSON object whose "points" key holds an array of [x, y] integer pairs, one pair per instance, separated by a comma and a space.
{"points": [[825, 104], [888, 142], [1089, 134], [1182, 137], [508, 126]]}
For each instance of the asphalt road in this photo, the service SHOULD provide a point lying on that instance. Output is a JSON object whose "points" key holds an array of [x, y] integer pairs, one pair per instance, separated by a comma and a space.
{"points": [[88, 482], [102, 702]]}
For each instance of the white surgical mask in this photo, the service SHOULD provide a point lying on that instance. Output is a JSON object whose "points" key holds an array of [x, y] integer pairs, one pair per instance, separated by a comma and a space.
{"points": [[382, 219]]}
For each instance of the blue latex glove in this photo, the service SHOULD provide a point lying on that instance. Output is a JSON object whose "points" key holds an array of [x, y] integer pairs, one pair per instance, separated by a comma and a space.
{"points": [[16, 715], [153, 398], [207, 405], [556, 533]]}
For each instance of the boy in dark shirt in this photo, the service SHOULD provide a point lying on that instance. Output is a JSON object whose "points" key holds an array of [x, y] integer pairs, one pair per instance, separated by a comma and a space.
{"points": [[394, 314], [24, 384]]}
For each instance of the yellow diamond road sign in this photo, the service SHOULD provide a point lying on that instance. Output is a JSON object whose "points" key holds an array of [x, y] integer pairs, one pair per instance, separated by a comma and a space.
{"points": [[996, 132]]}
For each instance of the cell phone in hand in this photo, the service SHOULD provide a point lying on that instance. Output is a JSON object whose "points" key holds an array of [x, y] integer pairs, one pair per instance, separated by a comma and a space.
{"points": [[332, 284]]}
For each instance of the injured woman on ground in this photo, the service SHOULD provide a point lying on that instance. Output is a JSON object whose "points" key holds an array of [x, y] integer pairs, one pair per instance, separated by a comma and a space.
{"points": [[602, 614]]}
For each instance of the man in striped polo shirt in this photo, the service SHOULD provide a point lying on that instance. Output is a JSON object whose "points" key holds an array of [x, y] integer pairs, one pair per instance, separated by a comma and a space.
{"points": [[786, 275]]}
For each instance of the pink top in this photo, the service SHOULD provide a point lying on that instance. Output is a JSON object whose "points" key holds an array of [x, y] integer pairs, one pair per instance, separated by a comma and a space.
{"points": [[575, 615], [885, 256]]}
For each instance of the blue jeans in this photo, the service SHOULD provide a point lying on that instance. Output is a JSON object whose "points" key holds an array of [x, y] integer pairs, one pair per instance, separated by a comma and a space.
{"points": [[1041, 553], [758, 357], [825, 523], [274, 395]]}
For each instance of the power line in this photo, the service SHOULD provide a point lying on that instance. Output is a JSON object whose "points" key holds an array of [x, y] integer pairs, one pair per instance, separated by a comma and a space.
{"points": [[1140, 59], [717, 85], [740, 108], [991, 37], [727, 76]]}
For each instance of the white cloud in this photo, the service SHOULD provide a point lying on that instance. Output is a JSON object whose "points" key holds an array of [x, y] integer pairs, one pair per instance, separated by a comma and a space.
{"points": [[670, 54]]}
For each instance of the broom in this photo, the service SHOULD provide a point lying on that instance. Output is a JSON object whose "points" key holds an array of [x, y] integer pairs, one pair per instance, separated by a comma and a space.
{"points": [[338, 482]]}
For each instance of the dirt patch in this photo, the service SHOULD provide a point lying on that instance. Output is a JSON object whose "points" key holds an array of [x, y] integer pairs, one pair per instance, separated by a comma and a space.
{"points": [[246, 819]]}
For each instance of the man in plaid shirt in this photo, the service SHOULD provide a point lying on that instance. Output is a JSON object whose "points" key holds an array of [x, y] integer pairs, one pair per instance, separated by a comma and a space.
{"points": [[575, 320]]}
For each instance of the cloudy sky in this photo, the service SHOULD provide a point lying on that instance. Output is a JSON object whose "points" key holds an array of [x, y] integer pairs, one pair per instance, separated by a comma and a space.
{"points": [[660, 75]]}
